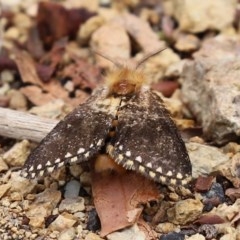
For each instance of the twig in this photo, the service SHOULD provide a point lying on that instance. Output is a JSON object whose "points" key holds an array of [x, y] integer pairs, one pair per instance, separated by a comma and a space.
{"points": [[21, 125]]}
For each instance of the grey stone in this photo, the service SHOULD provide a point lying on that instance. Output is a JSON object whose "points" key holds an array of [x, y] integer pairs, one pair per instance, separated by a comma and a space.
{"points": [[210, 89], [68, 234], [205, 159], [198, 16], [132, 233], [18, 154], [72, 189], [72, 205]]}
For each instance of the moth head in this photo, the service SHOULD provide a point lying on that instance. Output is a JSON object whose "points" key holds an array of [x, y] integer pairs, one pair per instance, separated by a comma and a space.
{"points": [[123, 80]]}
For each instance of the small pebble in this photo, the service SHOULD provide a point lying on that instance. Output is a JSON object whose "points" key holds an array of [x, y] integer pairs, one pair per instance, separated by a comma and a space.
{"points": [[209, 231], [68, 234], [17, 100], [72, 205], [93, 223], [12, 33], [214, 196], [72, 189], [6, 76], [172, 236], [22, 21]]}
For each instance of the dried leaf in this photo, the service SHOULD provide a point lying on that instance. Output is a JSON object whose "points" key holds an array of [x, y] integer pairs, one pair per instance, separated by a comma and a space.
{"points": [[49, 62], [203, 184], [117, 196], [82, 74], [55, 22], [210, 219], [36, 96], [233, 193], [167, 88], [144, 227], [27, 68]]}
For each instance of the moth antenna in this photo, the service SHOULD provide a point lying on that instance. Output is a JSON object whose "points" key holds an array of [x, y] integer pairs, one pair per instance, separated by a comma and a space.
{"points": [[108, 58], [149, 56]]}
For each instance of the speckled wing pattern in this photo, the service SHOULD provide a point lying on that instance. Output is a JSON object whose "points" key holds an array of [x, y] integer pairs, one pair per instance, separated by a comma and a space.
{"points": [[147, 140], [76, 138]]}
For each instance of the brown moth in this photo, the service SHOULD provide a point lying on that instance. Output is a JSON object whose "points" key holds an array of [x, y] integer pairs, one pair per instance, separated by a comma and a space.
{"points": [[145, 137]]}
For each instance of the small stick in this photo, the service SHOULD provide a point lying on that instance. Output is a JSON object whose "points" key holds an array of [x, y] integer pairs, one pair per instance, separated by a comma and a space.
{"points": [[22, 125]]}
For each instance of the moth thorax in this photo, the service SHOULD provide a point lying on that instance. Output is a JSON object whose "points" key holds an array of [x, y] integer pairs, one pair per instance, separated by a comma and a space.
{"points": [[123, 88], [124, 81]]}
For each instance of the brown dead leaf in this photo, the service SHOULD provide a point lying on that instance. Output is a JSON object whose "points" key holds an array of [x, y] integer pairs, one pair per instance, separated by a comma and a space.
{"points": [[34, 45], [144, 227], [210, 219], [7, 63], [167, 88], [203, 184], [117, 198], [236, 219], [233, 193], [50, 91], [49, 62], [82, 74], [54, 21], [26, 67], [36, 96]]}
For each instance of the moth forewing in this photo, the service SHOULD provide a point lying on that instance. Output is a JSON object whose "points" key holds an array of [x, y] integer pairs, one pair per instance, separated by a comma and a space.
{"points": [[78, 137]]}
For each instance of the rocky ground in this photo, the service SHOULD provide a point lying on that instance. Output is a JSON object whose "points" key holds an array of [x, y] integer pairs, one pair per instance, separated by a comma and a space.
{"points": [[48, 66]]}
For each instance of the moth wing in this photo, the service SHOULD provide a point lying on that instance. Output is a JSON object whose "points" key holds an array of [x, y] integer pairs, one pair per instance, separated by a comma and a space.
{"points": [[76, 138], [148, 141]]}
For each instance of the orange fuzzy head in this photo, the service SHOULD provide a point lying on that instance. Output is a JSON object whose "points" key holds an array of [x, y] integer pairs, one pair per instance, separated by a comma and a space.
{"points": [[125, 81]]}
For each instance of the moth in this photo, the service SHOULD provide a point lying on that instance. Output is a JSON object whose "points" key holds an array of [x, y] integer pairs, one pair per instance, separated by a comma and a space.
{"points": [[145, 139]]}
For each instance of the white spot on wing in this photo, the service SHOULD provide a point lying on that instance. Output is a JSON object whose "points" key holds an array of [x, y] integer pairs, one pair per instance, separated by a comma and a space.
{"points": [[58, 160], [141, 169], [74, 159], [33, 175], [139, 159], [120, 147], [179, 176], [86, 154], [128, 153], [41, 173], [81, 150], [60, 164], [173, 181], [39, 166], [184, 182], [48, 163], [149, 165], [152, 174], [163, 179], [31, 169], [50, 169], [159, 169], [99, 143], [68, 155]]}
